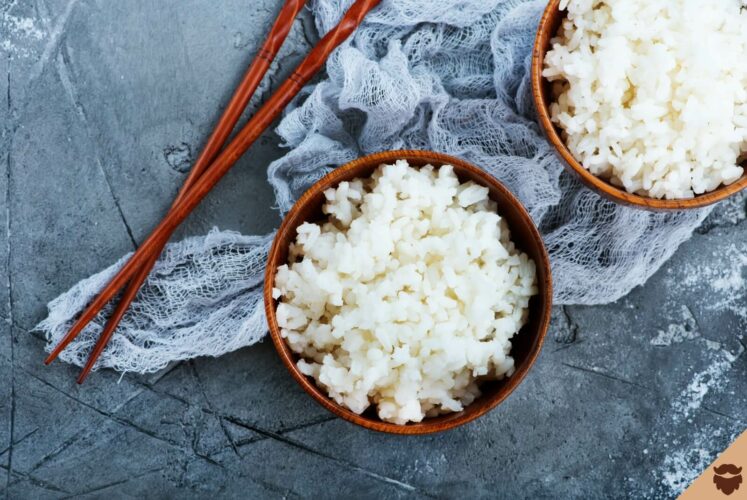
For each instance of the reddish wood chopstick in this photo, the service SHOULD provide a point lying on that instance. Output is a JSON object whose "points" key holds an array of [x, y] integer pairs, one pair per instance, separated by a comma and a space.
{"points": [[223, 163], [246, 89]]}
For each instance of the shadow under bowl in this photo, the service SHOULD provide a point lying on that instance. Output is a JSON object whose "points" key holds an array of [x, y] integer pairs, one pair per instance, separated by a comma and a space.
{"points": [[543, 98], [526, 344]]}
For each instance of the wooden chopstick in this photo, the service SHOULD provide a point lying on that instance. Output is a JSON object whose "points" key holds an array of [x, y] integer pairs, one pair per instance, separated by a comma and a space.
{"points": [[223, 163], [236, 106]]}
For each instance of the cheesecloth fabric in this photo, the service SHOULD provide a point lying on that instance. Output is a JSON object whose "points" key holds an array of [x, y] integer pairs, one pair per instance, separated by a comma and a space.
{"points": [[446, 75]]}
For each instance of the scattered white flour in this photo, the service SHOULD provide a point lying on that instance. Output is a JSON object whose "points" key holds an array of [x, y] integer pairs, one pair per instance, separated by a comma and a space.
{"points": [[691, 398], [686, 329], [729, 212], [733, 282], [18, 36], [721, 276], [24, 26], [677, 333], [681, 467], [435, 464], [729, 285]]}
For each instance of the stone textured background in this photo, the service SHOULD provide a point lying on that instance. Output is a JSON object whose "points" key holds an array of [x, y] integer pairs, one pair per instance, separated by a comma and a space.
{"points": [[103, 105]]}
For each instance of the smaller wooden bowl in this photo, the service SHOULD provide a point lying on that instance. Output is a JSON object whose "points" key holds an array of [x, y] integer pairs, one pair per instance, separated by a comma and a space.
{"points": [[542, 92], [525, 346]]}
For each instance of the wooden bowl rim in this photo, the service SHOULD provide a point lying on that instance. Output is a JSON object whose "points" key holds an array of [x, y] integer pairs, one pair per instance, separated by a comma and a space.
{"points": [[598, 184], [425, 427]]}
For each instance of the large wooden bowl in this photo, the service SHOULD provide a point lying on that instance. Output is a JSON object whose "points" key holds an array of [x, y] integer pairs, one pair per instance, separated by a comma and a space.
{"points": [[526, 345], [542, 92]]}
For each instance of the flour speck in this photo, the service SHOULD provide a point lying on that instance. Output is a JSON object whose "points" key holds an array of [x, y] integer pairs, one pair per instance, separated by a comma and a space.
{"points": [[19, 36]]}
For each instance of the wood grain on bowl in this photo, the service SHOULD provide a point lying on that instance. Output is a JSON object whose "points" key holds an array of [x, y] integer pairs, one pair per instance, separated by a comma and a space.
{"points": [[525, 346], [542, 94]]}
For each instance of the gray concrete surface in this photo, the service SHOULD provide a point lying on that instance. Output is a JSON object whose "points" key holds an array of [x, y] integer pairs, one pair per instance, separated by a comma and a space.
{"points": [[102, 105]]}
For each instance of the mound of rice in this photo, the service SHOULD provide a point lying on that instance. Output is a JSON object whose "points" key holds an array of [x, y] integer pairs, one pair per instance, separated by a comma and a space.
{"points": [[652, 94], [407, 296]]}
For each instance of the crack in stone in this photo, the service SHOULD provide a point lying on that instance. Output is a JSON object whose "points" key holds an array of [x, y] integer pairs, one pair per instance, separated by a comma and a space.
{"points": [[81, 435], [571, 322], [16, 324], [179, 157], [227, 417], [66, 77], [97, 489], [569, 335], [311, 423], [103, 487], [142, 391], [53, 45], [724, 415], [52, 454], [705, 231], [123, 421], [274, 488], [348, 465], [19, 441], [568, 346], [696, 322], [152, 389], [230, 418], [42, 15], [9, 289], [36, 482], [221, 422], [742, 343], [308, 29], [183, 44], [605, 375], [723, 217]]}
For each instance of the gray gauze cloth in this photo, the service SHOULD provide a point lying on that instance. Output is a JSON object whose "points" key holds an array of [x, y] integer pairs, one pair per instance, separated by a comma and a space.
{"points": [[449, 76]]}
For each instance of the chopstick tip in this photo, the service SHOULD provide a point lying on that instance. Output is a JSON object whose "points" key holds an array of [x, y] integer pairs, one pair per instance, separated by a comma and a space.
{"points": [[83, 375]]}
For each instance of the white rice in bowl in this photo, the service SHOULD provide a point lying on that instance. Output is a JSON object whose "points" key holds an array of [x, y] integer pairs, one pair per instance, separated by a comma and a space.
{"points": [[407, 297], [652, 94]]}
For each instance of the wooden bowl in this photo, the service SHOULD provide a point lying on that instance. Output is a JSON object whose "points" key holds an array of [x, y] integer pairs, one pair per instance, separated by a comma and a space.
{"points": [[526, 345], [541, 90]]}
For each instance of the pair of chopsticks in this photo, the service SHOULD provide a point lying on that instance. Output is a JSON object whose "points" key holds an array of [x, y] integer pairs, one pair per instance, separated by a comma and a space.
{"points": [[213, 163]]}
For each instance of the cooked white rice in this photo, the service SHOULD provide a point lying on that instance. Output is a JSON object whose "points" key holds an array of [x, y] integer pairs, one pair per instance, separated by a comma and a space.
{"points": [[407, 296], [652, 94]]}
